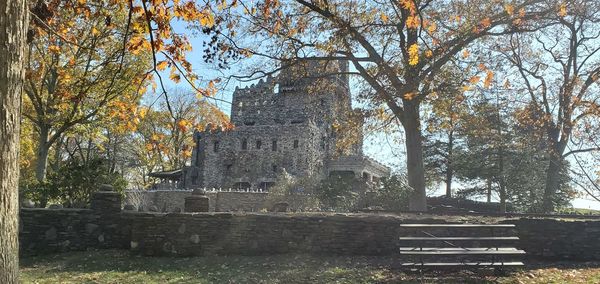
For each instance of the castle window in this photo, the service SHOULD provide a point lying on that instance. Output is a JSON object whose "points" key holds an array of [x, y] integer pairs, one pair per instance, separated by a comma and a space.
{"points": [[276, 89], [322, 102], [249, 122], [258, 144], [274, 145], [296, 144], [240, 104], [216, 146], [274, 167], [244, 144], [228, 169]]}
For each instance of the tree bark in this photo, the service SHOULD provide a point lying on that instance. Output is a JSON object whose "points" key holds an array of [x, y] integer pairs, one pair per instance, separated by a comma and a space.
{"points": [[556, 147], [43, 149], [501, 179], [552, 182], [13, 32], [414, 157], [489, 190], [449, 168], [503, 197]]}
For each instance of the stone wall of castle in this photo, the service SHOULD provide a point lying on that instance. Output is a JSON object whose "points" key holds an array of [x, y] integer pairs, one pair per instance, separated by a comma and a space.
{"points": [[283, 123], [219, 201], [255, 156]]}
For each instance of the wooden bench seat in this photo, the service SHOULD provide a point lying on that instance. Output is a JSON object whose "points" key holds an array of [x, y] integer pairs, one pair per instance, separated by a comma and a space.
{"points": [[459, 238], [462, 252], [457, 225], [462, 264], [455, 248]]}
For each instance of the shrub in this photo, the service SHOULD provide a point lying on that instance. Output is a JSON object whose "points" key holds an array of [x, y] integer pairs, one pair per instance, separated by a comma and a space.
{"points": [[73, 184]]}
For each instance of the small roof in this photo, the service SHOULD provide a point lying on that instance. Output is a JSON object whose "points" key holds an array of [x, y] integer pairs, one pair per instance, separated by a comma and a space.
{"points": [[173, 174]]}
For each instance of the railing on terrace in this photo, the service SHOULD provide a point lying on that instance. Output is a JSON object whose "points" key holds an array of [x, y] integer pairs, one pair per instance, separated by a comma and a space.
{"points": [[168, 187]]}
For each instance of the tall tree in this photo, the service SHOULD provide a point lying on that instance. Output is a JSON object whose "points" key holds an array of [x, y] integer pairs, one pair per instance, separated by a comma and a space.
{"points": [[398, 47], [74, 77], [447, 108], [13, 34], [150, 25], [487, 148], [559, 68]]}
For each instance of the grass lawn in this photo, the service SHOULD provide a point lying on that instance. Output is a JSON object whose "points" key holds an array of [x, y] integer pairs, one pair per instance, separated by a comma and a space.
{"points": [[114, 266]]}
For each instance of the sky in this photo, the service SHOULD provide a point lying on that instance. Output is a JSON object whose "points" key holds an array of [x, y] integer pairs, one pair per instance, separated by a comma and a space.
{"points": [[389, 151]]}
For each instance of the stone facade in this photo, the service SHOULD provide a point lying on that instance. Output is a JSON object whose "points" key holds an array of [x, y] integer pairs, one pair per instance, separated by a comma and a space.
{"points": [[281, 124]]}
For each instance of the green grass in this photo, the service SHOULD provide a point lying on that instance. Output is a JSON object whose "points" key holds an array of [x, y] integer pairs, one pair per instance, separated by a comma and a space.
{"points": [[113, 266]]}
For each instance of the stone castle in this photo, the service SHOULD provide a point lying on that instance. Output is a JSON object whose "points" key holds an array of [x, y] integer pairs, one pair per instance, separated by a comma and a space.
{"points": [[281, 124]]}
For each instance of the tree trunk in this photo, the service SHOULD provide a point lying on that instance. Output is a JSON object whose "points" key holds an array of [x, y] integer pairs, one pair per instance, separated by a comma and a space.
{"points": [[43, 149], [449, 168], [501, 179], [13, 31], [489, 190], [552, 182], [41, 166], [414, 157], [502, 188]]}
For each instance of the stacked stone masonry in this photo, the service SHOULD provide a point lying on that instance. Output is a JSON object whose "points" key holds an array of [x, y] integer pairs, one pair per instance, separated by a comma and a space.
{"points": [[186, 234], [287, 123], [219, 201]]}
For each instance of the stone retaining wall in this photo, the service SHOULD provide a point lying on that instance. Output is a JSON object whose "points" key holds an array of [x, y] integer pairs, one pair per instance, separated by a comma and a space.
{"points": [[185, 234], [254, 234], [559, 239], [59, 230]]}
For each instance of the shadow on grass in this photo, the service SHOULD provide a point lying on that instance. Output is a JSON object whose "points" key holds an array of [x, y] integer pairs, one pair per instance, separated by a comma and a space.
{"points": [[117, 266]]}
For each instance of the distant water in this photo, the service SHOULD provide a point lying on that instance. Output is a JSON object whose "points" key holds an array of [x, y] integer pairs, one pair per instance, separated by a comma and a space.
{"points": [[584, 203]]}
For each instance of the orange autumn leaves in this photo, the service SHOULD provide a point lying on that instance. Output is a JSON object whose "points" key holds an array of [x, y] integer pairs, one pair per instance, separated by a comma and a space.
{"points": [[152, 33], [413, 20]]}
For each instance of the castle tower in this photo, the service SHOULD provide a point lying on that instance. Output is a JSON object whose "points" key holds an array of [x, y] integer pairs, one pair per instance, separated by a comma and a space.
{"points": [[280, 123]]}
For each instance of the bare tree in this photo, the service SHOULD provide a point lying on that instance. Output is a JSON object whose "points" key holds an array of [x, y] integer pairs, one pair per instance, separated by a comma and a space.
{"points": [[560, 67]]}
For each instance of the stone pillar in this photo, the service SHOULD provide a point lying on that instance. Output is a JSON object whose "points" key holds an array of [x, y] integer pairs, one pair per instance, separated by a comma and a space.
{"points": [[198, 202], [109, 230], [106, 200]]}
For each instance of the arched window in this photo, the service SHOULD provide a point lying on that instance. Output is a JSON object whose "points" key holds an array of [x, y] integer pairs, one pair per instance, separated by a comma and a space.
{"points": [[258, 144], [216, 146], [274, 145], [244, 144]]}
